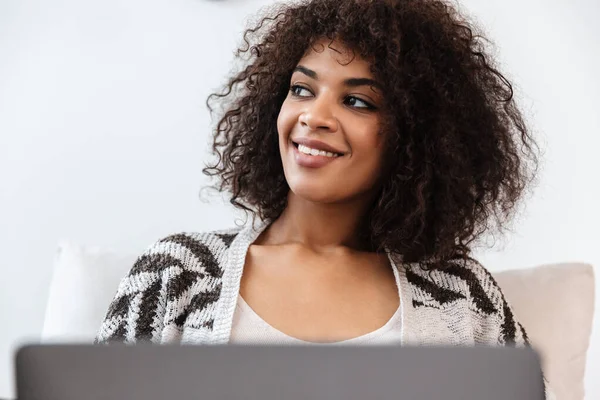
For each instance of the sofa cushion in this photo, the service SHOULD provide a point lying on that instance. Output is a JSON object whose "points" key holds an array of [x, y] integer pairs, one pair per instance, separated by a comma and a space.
{"points": [[555, 304], [83, 284]]}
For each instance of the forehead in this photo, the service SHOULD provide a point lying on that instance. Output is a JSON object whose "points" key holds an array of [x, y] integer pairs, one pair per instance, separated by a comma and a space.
{"points": [[336, 58]]}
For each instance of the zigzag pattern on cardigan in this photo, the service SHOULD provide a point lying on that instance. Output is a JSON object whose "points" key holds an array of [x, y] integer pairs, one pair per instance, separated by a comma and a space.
{"points": [[179, 280], [482, 293]]}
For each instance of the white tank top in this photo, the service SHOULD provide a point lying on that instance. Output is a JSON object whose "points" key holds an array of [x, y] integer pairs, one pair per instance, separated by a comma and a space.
{"points": [[249, 328]]}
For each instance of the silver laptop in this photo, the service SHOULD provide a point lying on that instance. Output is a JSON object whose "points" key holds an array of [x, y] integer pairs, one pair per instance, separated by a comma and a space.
{"points": [[152, 372]]}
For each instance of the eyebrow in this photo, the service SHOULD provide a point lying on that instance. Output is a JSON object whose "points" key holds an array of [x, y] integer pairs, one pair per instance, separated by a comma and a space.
{"points": [[352, 82]]}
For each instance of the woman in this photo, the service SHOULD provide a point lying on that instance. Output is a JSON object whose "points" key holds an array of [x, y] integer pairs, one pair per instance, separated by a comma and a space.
{"points": [[375, 141]]}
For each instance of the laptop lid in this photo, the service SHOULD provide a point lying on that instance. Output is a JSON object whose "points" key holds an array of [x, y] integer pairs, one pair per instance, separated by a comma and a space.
{"points": [[152, 372]]}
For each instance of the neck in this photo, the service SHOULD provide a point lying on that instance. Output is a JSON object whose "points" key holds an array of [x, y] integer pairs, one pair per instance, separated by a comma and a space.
{"points": [[321, 227]]}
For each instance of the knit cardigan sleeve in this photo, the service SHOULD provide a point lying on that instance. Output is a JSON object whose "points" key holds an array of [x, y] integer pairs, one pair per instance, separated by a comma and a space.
{"points": [[137, 310], [155, 292]]}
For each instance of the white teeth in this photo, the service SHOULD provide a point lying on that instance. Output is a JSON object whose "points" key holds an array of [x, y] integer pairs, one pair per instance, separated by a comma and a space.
{"points": [[314, 152]]}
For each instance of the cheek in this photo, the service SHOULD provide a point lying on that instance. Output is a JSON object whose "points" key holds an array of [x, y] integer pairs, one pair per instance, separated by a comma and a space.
{"points": [[369, 151], [367, 143], [285, 121]]}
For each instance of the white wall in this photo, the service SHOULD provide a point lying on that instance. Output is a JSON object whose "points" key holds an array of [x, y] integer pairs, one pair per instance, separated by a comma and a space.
{"points": [[103, 132]]}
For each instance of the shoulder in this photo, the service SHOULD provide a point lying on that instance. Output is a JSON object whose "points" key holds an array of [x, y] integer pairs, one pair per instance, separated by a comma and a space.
{"points": [[461, 279], [162, 283], [481, 286], [469, 282], [187, 251]]}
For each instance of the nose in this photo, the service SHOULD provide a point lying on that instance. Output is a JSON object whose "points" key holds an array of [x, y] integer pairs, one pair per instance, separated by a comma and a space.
{"points": [[318, 115]]}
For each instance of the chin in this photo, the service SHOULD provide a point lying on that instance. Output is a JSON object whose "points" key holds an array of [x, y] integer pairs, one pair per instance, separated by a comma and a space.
{"points": [[315, 192]]}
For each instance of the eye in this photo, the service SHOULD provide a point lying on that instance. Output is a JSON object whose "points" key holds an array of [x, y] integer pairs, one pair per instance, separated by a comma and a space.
{"points": [[368, 105], [294, 89]]}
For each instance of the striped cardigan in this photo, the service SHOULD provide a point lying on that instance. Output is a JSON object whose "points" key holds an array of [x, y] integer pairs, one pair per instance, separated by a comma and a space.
{"points": [[184, 289]]}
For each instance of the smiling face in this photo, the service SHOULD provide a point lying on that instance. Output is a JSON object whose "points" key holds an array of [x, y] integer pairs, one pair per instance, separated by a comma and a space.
{"points": [[332, 105]]}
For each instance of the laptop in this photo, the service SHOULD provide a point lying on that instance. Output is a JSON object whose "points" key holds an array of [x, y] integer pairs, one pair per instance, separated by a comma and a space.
{"points": [[248, 372]]}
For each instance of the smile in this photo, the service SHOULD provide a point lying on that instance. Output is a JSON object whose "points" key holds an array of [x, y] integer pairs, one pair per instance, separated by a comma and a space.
{"points": [[315, 152], [313, 158]]}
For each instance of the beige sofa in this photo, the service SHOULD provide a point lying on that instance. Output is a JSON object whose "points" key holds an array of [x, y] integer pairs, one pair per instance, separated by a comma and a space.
{"points": [[554, 303]]}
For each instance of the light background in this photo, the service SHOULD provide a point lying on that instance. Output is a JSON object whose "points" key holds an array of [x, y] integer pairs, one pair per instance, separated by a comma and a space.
{"points": [[103, 133]]}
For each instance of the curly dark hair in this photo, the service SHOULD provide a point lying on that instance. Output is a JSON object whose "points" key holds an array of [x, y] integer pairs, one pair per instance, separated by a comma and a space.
{"points": [[459, 155]]}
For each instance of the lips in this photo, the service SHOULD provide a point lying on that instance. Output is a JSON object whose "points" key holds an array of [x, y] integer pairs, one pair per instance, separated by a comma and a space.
{"points": [[310, 161]]}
